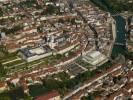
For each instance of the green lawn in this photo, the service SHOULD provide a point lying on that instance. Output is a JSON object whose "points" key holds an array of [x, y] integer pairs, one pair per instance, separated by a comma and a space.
{"points": [[6, 59], [14, 63]]}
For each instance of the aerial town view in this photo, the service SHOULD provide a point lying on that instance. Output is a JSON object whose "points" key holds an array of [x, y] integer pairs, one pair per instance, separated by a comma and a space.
{"points": [[66, 49]]}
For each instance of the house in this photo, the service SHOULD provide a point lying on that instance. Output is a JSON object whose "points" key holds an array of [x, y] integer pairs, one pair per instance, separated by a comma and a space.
{"points": [[12, 46], [53, 95], [3, 86]]}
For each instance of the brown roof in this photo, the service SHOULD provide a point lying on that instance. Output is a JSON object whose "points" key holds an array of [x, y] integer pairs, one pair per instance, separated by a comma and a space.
{"points": [[47, 96], [12, 45], [2, 84]]}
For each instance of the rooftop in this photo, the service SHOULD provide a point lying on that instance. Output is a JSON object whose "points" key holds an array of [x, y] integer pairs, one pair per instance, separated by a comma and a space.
{"points": [[29, 52], [94, 57], [48, 96]]}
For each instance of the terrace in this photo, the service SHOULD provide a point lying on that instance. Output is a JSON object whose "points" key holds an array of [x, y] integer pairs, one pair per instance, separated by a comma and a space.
{"points": [[74, 69], [83, 63]]}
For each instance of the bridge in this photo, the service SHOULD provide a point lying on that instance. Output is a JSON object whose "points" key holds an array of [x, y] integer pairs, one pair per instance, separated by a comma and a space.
{"points": [[120, 44], [122, 14]]}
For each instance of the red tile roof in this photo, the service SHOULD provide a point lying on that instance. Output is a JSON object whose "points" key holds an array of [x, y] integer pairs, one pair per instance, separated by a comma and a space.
{"points": [[2, 84], [47, 96]]}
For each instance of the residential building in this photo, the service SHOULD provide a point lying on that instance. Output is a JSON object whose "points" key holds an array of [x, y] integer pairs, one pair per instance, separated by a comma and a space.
{"points": [[3, 86]]}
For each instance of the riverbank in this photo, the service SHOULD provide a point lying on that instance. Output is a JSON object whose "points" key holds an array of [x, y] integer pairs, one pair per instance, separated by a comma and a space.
{"points": [[114, 37]]}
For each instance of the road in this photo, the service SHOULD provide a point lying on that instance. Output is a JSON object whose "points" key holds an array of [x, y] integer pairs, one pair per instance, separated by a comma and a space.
{"points": [[11, 61], [122, 14]]}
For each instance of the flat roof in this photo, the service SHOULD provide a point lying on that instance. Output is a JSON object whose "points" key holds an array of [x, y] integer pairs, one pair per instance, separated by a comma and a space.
{"points": [[94, 57], [39, 50], [95, 54], [29, 52]]}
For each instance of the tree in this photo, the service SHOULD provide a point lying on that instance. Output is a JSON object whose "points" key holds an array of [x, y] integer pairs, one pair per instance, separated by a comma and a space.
{"points": [[4, 96], [17, 93], [2, 70], [50, 9], [89, 97], [1, 12], [36, 89], [58, 56], [73, 21]]}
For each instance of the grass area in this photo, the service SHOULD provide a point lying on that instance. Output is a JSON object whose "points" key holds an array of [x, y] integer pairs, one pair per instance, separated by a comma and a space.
{"points": [[43, 61], [6, 59], [18, 65], [5, 55], [34, 62], [47, 60], [14, 63], [23, 65]]}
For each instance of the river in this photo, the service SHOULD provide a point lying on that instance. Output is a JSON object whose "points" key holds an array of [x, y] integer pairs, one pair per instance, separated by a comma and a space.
{"points": [[120, 26], [120, 36]]}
